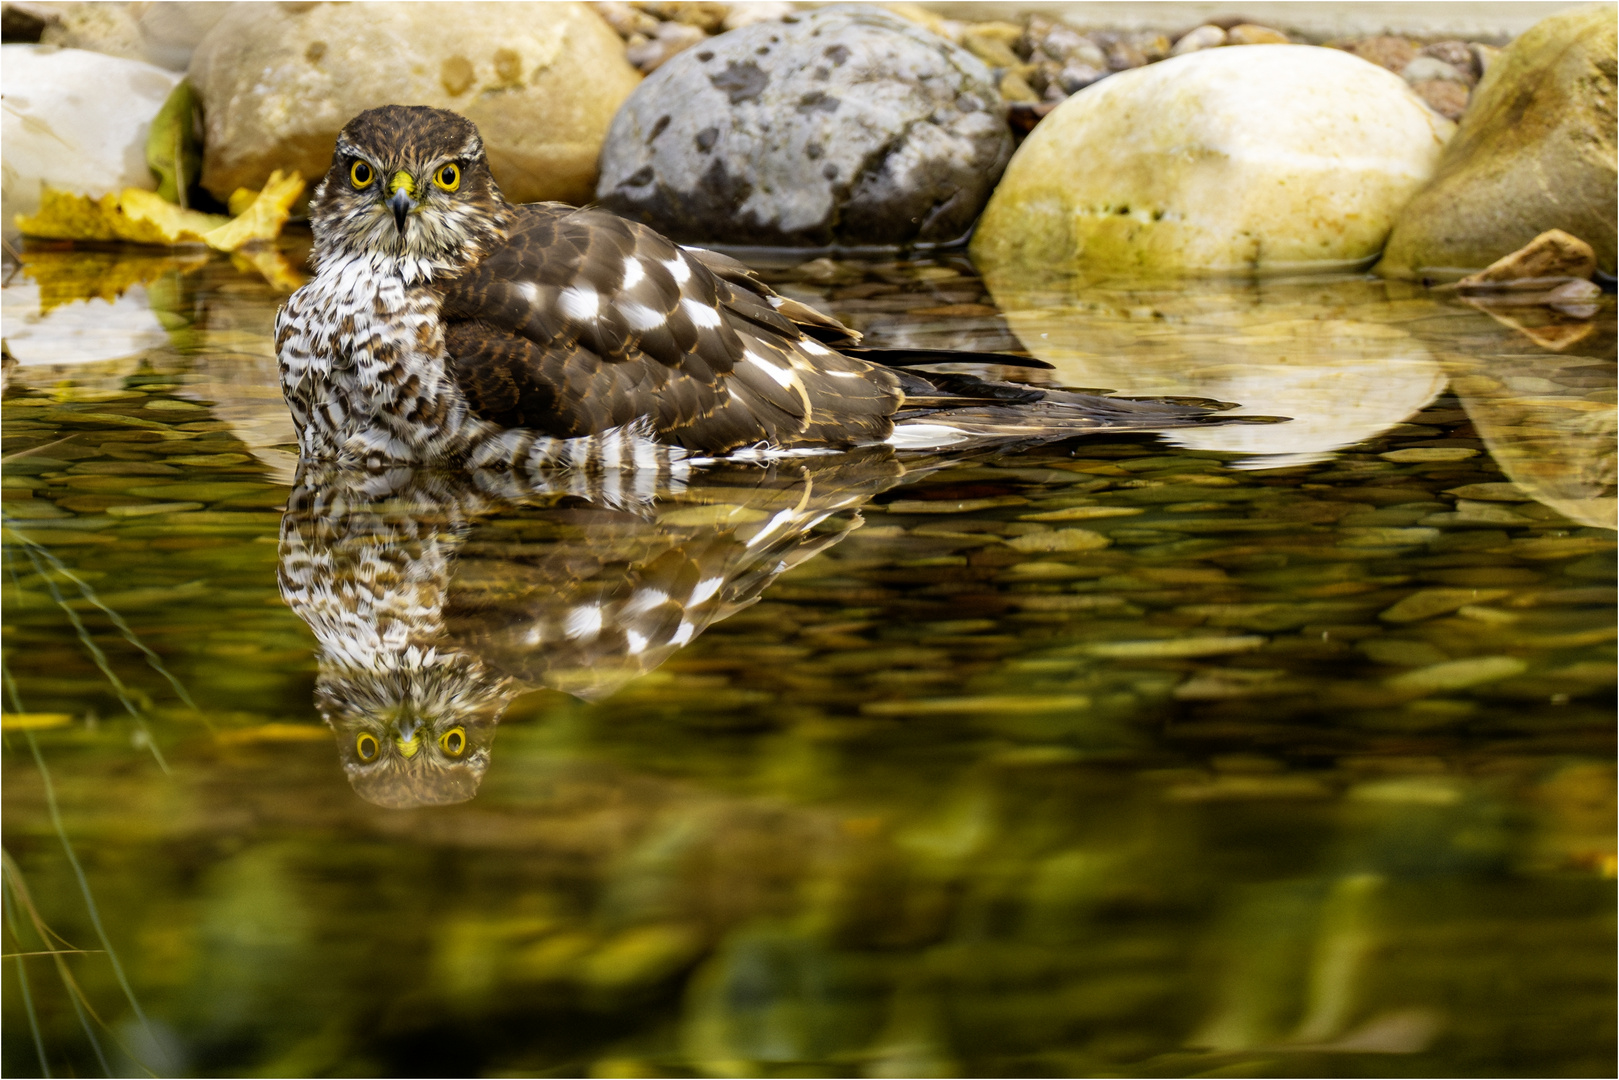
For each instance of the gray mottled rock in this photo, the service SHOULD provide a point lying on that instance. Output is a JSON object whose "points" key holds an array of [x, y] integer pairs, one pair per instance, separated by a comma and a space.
{"points": [[846, 125]]}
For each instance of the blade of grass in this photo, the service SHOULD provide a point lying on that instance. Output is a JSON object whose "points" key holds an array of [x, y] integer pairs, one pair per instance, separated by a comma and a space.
{"points": [[100, 659], [17, 888], [72, 858], [27, 997], [153, 661]]}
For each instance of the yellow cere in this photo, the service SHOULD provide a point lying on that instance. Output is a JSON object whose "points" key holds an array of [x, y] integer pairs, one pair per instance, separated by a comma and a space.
{"points": [[402, 182]]}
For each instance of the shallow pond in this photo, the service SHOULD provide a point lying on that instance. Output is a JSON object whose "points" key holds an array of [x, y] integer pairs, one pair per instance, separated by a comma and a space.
{"points": [[1248, 750]]}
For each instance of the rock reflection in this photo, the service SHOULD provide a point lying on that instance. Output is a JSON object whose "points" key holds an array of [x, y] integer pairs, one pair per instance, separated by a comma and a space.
{"points": [[1548, 414], [1333, 354], [67, 309], [436, 599]]}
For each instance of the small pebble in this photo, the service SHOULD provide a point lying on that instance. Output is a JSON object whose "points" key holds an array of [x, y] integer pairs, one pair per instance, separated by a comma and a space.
{"points": [[1204, 37]]}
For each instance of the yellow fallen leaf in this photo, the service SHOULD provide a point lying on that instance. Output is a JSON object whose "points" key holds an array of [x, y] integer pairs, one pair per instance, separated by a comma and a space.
{"points": [[33, 721], [276, 268], [240, 200], [66, 216], [262, 220], [144, 217], [141, 217], [151, 219]]}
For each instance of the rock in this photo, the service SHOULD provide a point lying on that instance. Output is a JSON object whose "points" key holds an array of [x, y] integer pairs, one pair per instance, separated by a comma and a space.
{"points": [[75, 120], [1447, 97], [1197, 163], [161, 34], [756, 11], [1458, 54], [649, 54], [1535, 152], [1075, 76], [992, 43], [626, 20], [1014, 88], [1552, 254], [1427, 68], [1062, 43], [1252, 34], [845, 125], [1386, 51], [1204, 37], [541, 81]]}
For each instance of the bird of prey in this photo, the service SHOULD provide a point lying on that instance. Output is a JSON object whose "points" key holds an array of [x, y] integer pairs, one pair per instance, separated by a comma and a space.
{"points": [[447, 326]]}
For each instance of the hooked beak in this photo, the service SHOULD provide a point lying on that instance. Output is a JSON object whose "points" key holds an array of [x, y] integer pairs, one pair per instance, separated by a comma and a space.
{"points": [[401, 204], [406, 737], [400, 200]]}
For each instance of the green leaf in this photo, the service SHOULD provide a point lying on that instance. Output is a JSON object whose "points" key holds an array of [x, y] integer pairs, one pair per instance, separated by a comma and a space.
{"points": [[174, 146]]}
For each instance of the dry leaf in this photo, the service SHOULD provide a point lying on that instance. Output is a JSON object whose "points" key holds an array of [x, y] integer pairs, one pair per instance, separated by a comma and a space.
{"points": [[262, 220], [144, 217]]}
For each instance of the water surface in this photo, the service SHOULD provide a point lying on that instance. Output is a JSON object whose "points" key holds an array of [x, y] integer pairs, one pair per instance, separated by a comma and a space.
{"points": [[1248, 750]]}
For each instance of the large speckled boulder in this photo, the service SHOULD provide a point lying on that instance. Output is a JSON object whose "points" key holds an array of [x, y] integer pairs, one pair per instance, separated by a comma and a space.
{"points": [[1253, 158], [541, 81], [1535, 151], [77, 121], [845, 125]]}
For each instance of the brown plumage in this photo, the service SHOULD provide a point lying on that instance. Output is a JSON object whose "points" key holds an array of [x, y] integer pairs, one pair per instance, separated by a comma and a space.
{"points": [[445, 325]]}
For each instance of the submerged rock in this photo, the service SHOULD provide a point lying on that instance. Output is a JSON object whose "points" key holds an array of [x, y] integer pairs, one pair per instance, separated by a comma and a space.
{"points": [[1535, 152], [1202, 162], [847, 125], [541, 81], [77, 121]]}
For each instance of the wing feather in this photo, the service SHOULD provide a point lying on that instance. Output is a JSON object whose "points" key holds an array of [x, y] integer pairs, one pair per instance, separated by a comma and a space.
{"points": [[581, 321]]}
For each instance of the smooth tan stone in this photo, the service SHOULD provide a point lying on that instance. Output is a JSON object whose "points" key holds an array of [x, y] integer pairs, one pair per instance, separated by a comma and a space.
{"points": [[1245, 158], [1535, 151], [541, 81]]}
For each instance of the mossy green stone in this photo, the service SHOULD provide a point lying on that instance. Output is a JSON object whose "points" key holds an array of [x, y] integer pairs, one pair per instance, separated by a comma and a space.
{"points": [[1535, 151]]}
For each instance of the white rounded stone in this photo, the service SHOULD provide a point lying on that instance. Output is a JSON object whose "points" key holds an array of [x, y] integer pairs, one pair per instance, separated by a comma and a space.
{"points": [[1245, 158], [75, 120]]}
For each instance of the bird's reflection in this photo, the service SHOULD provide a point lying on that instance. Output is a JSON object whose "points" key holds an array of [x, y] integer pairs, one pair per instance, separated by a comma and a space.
{"points": [[437, 598]]}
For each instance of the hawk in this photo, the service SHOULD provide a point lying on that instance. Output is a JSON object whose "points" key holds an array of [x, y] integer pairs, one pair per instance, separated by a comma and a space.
{"points": [[447, 326]]}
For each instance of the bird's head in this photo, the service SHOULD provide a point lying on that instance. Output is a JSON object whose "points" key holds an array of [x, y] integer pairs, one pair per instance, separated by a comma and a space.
{"points": [[408, 183], [416, 731]]}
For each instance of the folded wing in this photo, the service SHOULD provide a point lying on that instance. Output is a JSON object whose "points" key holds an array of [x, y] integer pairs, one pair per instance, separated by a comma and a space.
{"points": [[582, 321]]}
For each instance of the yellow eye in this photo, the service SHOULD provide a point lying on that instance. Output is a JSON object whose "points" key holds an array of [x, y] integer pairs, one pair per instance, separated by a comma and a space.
{"points": [[454, 742], [367, 747], [361, 175], [448, 177]]}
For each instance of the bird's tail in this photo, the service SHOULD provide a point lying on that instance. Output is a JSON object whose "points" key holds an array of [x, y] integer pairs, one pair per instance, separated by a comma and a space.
{"points": [[956, 411]]}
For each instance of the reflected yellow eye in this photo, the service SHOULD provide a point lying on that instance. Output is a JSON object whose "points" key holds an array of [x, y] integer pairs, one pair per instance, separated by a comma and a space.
{"points": [[454, 742], [448, 177], [367, 747], [360, 174]]}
